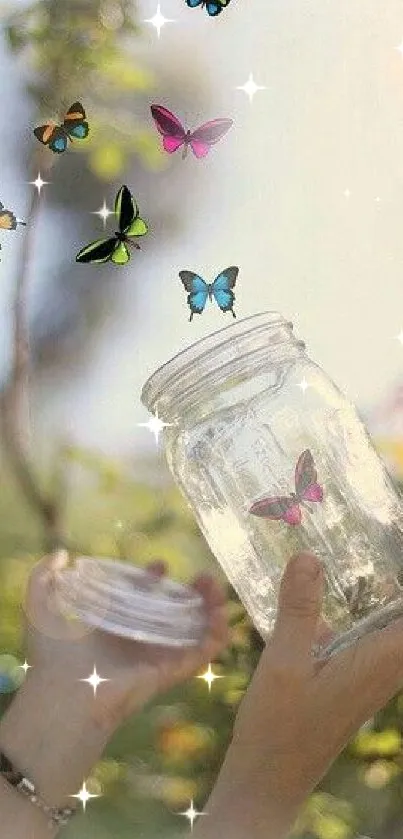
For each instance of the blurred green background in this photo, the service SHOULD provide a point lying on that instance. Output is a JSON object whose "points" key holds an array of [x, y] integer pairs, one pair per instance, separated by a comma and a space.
{"points": [[171, 753]]}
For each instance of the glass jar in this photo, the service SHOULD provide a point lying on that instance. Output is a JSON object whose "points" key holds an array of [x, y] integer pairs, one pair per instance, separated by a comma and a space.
{"points": [[254, 420], [129, 601]]}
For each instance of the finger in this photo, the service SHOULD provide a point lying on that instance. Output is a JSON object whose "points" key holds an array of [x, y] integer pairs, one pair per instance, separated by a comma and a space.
{"points": [[324, 633], [42, 575], [41, 608], [299, 607], [157, 567], [216, 635], [376, 661], [212, 592]]}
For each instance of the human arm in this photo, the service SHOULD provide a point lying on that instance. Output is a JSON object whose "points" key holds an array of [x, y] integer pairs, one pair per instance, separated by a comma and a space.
{"points": [[55, 729], [297, 714], [295, 718]]}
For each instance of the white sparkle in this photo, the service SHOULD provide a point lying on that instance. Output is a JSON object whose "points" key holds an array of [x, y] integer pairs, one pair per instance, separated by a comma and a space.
{"points": [[303, 384], [377, 199], [347, 193], [158, 21], [399, 337], [104, 212], [155, 425], [94, 680], [250, 87], [39, 183], [25, 666], [192, 814], [84, 796], [209, 677], [400, 49]]}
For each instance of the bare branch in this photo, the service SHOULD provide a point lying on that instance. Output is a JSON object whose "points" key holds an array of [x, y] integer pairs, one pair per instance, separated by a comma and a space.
{"points": [[14, 400]]}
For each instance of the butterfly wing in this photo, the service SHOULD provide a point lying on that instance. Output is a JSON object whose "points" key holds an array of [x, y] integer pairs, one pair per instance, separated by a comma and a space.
{"points": [[283, 507], [170, 127], [215, 7], [53, 136], [198, 291], [172, 144], [121, 254], [8, 220], [208, 134], [126, 209], [75, 123], [221, 289], [99, 251], [138, 228], [306, 478], [194, 3]]}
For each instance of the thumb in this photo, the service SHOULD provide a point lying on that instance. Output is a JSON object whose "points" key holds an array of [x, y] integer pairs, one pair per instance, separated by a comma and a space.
{"points": [[299, 605], [42, 578]]}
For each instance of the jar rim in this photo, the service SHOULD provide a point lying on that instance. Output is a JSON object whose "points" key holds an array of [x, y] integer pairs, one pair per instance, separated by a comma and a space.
{"points": [[160, 380]]}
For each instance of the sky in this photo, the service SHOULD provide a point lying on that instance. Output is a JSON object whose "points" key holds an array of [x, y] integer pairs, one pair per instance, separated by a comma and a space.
{"points": [[305, 195]]}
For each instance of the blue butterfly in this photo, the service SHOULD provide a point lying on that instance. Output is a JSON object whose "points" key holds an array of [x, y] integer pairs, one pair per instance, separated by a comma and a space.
{"points": [[220, 289], [214, 7]]}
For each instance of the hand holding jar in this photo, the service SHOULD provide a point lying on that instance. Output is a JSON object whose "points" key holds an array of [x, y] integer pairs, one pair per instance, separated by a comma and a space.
{"points": [[298, 713]]}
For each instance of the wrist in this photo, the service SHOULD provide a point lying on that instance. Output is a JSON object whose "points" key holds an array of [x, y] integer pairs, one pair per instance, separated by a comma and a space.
{"points": [[252, 797], [52, 735], [21, 818]]}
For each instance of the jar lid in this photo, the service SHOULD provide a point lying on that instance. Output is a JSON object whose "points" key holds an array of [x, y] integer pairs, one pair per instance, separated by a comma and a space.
{"points": [[129, 601]]}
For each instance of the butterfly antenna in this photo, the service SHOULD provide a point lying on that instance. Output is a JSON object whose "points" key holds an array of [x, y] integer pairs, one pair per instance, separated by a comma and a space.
{"points": [[233, 313]]}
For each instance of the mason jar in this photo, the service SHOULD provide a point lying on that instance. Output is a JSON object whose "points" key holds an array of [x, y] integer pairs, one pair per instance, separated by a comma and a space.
{"points": [[273, 459]]}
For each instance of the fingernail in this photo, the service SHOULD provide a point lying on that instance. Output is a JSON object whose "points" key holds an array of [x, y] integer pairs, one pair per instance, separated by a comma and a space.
{"points": [[59, 560]]}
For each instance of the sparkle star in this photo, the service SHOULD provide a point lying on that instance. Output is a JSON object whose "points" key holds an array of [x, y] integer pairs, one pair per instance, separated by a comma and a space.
{"points": [[250, 87], [158, 21], [39, 183], [400, 49], [399, 337], [84, 796], [209, 677], [94, 680], [192, 814], [347, 193], [303, 384], [155, 425], [25, 666], [104, 212]]}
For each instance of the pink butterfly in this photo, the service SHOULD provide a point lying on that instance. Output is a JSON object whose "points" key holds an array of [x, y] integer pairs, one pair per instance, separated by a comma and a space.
{"points": [[175, 135], [287, 507]]}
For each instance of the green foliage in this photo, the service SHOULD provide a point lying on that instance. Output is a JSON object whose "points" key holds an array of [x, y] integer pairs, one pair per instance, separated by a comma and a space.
{"points": [[84, 50]]}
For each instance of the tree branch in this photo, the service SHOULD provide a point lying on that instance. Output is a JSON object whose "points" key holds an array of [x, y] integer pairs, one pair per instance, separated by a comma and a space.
{"points": [[14, 400]]}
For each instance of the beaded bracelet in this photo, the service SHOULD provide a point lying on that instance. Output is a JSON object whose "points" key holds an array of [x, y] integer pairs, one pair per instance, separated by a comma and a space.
{"points": [[58, 817]]}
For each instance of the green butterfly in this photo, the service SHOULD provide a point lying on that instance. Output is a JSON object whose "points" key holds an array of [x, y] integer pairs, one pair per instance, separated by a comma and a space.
{"points": [[116, 248]]}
